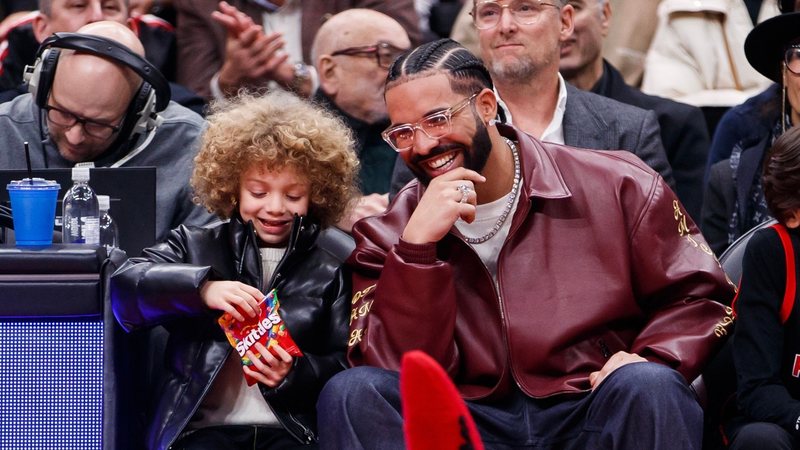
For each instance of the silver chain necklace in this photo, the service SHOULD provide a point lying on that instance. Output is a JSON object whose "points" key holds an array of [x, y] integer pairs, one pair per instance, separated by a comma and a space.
{"points": [[511, 197]]}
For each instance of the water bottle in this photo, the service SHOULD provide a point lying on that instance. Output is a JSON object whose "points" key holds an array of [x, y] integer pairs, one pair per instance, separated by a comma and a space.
{"points": [[81, 212], [108, 228]]}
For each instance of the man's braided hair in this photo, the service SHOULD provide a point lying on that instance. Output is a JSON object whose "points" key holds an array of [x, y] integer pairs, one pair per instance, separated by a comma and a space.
{"points": [[466, 72]]}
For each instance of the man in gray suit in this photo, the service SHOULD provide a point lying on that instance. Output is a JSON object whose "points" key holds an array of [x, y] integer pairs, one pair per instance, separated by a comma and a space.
{"points": [[521, 44]]}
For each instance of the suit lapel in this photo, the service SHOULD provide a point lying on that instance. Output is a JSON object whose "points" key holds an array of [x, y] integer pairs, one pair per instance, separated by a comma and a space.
{"points": [[584, 126]]}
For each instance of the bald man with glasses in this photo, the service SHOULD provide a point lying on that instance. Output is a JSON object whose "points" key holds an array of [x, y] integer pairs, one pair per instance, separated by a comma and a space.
{"points": [[352, 52]]}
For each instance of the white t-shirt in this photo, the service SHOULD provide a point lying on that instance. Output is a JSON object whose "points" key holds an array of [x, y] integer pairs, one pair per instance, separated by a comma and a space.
{"points": [[486, 216]]}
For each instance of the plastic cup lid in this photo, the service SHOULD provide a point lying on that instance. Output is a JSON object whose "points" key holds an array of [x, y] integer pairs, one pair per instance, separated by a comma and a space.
{"points": [[38, 183]]}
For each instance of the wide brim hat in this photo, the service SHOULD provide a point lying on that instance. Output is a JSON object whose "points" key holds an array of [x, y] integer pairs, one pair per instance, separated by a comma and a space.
{"points": [[767, 42]]}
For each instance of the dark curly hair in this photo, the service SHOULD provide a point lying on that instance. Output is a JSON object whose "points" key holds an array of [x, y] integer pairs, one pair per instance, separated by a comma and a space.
{"points": [[781, 177]]}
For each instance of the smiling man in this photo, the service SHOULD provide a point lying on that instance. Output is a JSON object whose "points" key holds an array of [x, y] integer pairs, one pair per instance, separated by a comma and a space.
{"points": [[520, 42], [547, 281]]}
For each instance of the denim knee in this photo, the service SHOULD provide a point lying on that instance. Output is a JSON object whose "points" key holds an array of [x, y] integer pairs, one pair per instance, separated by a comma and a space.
{"points": [[648, 379], [357, 382], [763, 436]]}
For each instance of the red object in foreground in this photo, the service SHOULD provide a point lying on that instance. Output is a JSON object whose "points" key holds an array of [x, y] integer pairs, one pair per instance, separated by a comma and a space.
{"points": [[435, 416]]}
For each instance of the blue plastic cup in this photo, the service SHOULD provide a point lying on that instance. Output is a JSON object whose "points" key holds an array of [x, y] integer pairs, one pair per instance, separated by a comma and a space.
{"points": [[33, 206]]}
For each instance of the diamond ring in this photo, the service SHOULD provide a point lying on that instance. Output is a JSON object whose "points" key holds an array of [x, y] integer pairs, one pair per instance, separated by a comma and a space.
{"points": [[465, 190]]}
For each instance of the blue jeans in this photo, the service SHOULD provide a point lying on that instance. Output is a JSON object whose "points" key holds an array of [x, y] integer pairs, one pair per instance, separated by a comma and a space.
{"points": [[240, 437], [762, 436], [640, 405]]}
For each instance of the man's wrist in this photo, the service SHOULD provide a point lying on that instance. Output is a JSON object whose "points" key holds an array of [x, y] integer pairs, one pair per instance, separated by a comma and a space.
{"points": [[416, 253], [225, 85], [215, 88], [301, 79]]}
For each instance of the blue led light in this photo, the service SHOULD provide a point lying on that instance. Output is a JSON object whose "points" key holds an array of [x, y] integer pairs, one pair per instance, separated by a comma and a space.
{"points": [[51, 385]]}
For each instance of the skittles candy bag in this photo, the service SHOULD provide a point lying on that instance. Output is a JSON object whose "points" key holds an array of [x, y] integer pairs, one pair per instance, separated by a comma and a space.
{"points": [[267, 328]]}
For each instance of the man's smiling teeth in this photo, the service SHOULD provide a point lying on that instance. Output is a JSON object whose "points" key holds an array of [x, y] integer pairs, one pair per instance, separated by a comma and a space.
{"points": [[438, 163]]}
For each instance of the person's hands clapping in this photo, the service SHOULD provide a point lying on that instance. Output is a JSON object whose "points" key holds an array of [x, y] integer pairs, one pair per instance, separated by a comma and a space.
{"points": [[448, 197], [232, 297], [251, 57], [269, 370]]}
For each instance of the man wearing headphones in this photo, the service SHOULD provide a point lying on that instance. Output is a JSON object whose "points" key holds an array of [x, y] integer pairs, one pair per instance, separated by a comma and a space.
{"points": [[94, 98], [20, 41]]}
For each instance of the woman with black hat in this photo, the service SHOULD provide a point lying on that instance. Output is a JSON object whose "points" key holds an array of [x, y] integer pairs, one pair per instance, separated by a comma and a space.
{"points": [[734, 199], [765, 414]]}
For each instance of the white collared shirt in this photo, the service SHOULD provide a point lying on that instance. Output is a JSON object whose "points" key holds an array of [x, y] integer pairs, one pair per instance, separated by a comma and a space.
{"points": [[555, 130]]}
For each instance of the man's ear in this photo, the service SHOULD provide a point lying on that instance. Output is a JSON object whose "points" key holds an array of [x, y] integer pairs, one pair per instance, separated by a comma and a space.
{"points": [[567, 21], [328, 75], [605, 23], [41, 27], [486, 105]]}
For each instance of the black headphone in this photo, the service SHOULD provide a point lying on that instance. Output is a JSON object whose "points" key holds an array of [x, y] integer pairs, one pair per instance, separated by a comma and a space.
{"points": [[142, 113]]}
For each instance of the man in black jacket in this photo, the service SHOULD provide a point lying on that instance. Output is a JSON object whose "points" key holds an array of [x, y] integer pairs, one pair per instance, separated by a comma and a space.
{"points": [[683, 128]]}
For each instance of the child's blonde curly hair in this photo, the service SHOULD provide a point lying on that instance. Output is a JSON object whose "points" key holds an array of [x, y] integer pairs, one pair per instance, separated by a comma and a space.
{"points": [[276, 130]]}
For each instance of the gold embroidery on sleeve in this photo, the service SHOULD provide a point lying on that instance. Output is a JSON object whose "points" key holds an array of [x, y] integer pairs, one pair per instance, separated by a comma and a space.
{"points": [[355, 337], [360, 294], [683, 229], [721, 328]]}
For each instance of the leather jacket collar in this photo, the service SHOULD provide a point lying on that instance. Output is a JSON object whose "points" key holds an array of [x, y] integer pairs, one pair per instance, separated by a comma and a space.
{"points": [[548, 181], [244, 244]]}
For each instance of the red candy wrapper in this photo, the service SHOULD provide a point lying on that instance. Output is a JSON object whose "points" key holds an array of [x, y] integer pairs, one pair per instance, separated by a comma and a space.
{"points": [[267, 328]]}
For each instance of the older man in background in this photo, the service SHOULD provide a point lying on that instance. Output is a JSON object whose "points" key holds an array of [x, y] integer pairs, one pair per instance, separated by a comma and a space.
{"points": [[521, 42], [20, 45], [352, 52], [224, 46], [683, 127]]}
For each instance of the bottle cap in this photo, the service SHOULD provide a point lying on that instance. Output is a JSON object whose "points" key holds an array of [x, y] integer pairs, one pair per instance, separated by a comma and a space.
{"points": [[104, 201], [80, 174]]}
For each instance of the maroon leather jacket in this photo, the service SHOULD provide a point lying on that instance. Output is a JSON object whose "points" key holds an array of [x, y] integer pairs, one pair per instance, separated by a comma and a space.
{"points": [[601, 257]]}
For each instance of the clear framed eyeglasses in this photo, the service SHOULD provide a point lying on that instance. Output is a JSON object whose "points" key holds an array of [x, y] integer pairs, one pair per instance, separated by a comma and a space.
{"points": [[487, 14], [436, 125]]}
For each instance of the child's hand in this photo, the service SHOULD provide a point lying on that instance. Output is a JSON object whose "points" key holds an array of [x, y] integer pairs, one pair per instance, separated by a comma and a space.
{"points": [[232, 297], [270, 370]]}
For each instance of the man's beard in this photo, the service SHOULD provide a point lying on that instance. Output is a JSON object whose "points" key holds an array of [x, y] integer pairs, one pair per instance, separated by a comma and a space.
{"points": [[474, 158], [519, 71]]}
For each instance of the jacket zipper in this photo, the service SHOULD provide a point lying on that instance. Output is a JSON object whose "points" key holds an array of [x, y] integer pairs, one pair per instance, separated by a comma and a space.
{"points": [[275, 277], [604, 349], [297, 228], [309, 435], [511, 232]]}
